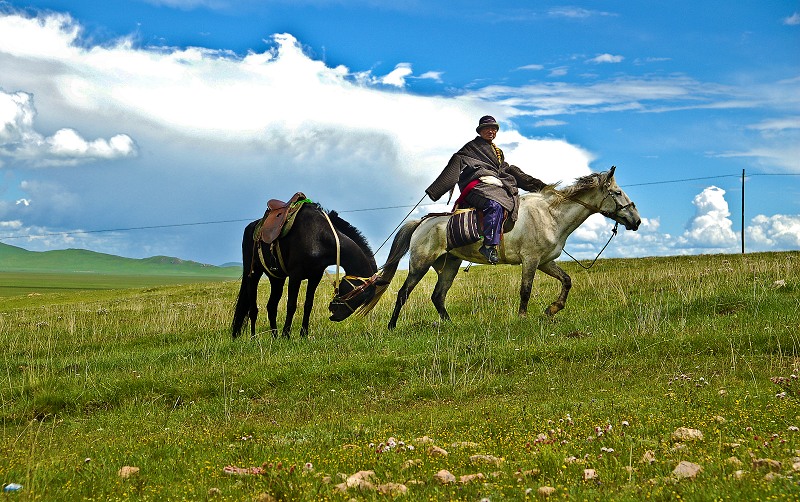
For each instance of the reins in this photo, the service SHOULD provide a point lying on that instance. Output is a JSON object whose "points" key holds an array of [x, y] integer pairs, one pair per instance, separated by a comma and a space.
{"points": [[398, 225], [613, 233], [338, 253]]}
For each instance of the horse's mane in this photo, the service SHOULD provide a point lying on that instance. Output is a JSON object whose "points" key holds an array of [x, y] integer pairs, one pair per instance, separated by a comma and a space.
{"points": [[581, 186], [349, 230]]}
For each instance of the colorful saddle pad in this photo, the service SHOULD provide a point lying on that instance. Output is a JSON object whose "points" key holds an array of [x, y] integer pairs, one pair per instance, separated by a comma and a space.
{"points": [[463, 228]]}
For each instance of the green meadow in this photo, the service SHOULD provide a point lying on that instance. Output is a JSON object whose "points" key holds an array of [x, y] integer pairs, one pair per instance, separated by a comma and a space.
{"points": [[663, 379]]}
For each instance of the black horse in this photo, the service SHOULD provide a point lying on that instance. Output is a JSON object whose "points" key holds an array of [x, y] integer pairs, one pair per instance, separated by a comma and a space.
{"points": [[305, 252]]}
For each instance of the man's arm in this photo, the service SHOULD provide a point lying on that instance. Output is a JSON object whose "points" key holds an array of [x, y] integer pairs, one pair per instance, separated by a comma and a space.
{"points": [[525, 181]]}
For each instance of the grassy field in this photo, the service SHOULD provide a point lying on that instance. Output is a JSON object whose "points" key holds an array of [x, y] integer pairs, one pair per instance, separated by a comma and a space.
{"points": [[663, 379]]}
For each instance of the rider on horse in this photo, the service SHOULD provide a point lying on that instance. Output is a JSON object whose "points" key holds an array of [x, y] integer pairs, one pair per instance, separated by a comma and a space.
{"points": [[487, 182]]}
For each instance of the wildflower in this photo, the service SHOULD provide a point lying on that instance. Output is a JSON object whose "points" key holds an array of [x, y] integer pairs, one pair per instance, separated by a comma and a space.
{"points": [[308, 467], [625, 423]]}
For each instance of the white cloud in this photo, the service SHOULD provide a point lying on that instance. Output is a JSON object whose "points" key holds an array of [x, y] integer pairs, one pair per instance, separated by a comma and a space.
{"points": [[793, 20], [534, 67], [397, 77], [436, 76], [779, 231], [780, 124], [549, 123], [711, 226], [20, 141], [606, 58]]}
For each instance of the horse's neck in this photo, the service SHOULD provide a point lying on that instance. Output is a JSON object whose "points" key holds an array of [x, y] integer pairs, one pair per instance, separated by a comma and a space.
{"points": [[567, 214], [353, 258]]}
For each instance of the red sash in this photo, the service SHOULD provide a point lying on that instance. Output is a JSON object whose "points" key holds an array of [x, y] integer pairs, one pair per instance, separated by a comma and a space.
{"points": [[464, 193]]}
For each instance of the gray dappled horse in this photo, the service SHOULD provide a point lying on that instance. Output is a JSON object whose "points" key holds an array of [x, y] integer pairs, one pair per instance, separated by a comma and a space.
{"points": [[545, 221]]}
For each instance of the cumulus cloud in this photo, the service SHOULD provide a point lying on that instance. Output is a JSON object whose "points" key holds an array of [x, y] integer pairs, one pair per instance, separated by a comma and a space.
{"points": [[779, 231], [20, 141], [711, 226]]}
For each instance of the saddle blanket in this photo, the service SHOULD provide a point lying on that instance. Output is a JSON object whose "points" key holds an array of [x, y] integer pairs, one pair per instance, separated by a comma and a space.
{"points": [[463, 228]]}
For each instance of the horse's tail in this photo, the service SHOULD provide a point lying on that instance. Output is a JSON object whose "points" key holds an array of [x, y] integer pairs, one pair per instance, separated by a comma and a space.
{"points": [[400, 246], [242, 300]]}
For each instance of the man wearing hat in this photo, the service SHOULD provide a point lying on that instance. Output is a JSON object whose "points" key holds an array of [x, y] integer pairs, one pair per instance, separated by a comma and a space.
{"points": [[487, 182]]}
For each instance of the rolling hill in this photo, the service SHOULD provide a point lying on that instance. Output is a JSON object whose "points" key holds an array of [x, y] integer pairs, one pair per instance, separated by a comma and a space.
{"points": [[81, 261]]}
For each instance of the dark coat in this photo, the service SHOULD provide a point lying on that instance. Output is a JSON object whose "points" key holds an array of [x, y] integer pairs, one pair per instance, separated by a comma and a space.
{"points": [[476, 159]]}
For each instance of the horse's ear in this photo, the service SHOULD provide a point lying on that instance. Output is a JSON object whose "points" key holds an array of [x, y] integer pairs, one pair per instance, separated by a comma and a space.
{"points": [[608, 176]]}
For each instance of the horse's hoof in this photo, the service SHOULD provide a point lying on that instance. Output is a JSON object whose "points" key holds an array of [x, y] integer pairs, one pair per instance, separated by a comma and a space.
{"points": [[523, 313], [552, 310]]}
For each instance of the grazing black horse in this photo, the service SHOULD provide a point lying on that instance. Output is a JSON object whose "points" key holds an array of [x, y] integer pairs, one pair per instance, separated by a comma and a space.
{"points": [[306, 251]]}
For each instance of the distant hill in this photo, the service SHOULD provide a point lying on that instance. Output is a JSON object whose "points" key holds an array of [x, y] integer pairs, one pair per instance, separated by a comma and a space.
{"points": [[81, 261]]}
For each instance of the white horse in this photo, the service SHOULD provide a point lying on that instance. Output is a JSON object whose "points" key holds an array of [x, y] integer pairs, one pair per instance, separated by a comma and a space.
{"points": [[545, 221]]}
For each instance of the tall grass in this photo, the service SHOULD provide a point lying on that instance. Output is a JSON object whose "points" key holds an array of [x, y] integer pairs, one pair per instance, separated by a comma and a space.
{"points": [[150, 378]]}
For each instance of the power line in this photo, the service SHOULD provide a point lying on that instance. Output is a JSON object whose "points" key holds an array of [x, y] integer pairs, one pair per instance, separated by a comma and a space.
{"points": [[682, 180], [382, 208]]}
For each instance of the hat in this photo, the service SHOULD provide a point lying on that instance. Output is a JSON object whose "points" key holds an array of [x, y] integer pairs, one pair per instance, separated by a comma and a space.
{"points": [[486, 121]]}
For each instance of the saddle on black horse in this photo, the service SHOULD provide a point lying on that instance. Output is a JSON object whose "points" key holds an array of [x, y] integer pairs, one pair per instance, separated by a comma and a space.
{"points": [[276, 223]]}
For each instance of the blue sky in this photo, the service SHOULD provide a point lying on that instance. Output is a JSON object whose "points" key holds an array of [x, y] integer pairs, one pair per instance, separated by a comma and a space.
{"points": [[172, 122]]}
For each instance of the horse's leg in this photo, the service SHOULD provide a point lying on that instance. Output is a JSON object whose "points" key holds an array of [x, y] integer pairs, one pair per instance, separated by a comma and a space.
{"points": [[528, 273], [447, 268], [275, 292], [550, 268], [416, 271], [311, 288], [252, 298], [291, 304]]}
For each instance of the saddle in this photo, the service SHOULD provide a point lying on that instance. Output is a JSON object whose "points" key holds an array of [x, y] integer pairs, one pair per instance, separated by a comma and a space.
{"points": [[278, 218]]}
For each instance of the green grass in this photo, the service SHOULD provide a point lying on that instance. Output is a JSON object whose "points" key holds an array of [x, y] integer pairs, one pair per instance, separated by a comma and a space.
{"points": [[148, 377]]}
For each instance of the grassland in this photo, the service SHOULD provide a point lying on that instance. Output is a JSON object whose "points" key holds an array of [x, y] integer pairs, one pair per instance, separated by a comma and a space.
{"points": [[590, 405]]}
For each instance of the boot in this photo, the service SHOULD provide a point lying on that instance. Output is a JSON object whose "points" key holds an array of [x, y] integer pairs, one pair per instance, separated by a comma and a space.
{"points": [[490, 253]]}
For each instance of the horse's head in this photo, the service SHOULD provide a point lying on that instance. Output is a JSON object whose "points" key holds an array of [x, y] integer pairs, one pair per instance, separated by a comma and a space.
{"points": [[354, 294], [616, 204]]}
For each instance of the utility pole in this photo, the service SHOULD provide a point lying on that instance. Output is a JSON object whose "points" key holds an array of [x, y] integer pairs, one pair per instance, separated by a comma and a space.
{"points": [[742, 211]]}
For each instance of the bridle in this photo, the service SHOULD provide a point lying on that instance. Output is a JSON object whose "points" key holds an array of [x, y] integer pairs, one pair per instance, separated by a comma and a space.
{"points": [[366, 282], [608, 214], [597, 209], [618, 207]]}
